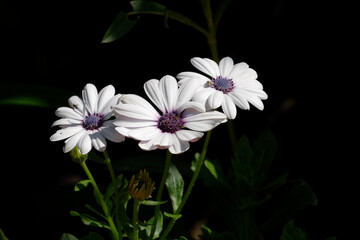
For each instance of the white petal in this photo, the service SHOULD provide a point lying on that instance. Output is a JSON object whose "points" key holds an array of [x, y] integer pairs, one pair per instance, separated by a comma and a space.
{"points": [[248, 74], [163, 139], [105, 95], [147, 145], [66, 122], [138, 101], [226, 65], [84, 144], [90, 97], [145, 133], [123, 131], [66, 112], [152, 90], [169, 88], [204, 121], [71, 142], [203, 94], [190, 75], [239, 100], [65, 133], [204, 66], [188, 135], [109, 132], [135, 111], [178, 145], [98, 141], [253, 99], [198, 107], [77, 104], [229, 107], [214, 65], [108, 108], [215, 99], [123, 121], [238, 69], [187, 91]]}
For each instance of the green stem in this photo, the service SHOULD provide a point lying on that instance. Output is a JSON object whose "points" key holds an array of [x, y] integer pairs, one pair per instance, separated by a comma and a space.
{"points": [[190, 187], [117, 195], [212, 42], [136, 220], [159, 193], [100, 196]]}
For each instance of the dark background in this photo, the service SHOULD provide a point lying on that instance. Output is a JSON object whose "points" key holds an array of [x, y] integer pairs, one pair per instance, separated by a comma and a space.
{"points": [[300, 49]]}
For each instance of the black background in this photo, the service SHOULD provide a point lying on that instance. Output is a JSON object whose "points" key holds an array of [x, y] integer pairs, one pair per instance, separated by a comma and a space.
{"points": [[300, 50]]}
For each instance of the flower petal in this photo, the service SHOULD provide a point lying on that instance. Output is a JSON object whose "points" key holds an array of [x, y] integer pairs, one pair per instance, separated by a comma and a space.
{"points": [[76, 104], [169, 88], [108, 108], [198, 107], [109, 132], [147, 145], [178, 146], [187, 91], [152, 90], [65, 133], [90, 97], [203, 94], [226, 65], [204, 66], [204, 121], [163, 139], [215, 99], [84, 143], [214, 65], [105, 95], [229, 107], [71, 142], [253, 99], [184, 76], [144, 133], [238, 69], [135, 111], [66, 122], [98, 141], [66, 112], [188, 135], [124, 121], [239, 100]]}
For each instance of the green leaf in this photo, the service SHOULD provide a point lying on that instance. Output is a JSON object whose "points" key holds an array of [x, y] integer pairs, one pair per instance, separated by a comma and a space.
{"points": [[94, 211], [174, 216], [159, 225], [68, 236], [121, 26], [175, 186], [82, 184], [93, 236], [210, 234], [291, 232], [212, 169], [181, 238], [110, 190], [275, 182], [89, 220], [33, 95], [152, 203], [2, 235], [147, 7]]}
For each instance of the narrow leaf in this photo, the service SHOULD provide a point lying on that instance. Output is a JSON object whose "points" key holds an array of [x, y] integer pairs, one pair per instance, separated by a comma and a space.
{"points": [[89, 220], [159, 226], [175, 186], [291, 232], [212, 169], [121, 26], [2, 235], [174, 216], [152, 203], [82, 184], [147, 6], [68, 236]]}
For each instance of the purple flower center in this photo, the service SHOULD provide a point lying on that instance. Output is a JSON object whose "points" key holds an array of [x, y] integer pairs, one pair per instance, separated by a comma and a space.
{"points": [[94, 121], [170, 122], [222, 84]]}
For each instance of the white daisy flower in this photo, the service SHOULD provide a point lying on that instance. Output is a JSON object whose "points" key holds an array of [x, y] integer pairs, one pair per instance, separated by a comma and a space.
{"points": [[87, 123], [179, 122], [226, 85]]}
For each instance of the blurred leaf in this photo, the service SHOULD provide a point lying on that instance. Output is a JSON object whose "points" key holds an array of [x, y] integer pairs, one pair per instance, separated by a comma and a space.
{"points": [[120, 26], [33, 95], [2, 235], [174, 216], [175, 186], [82, 184], [96, 158], [159, 225], [212, 169], [110, 190], [152, 203], [242, 163], [209, 234], [94, 210], [220, 10], [286, 202], [89, 220], [275, 182], [291, 232], [181, 238], [147, 7], [68, 236], [93, 236]]}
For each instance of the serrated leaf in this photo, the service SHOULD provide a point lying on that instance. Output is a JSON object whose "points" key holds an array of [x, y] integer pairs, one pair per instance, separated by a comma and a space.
{"points": [[68, 236], [291, 232], [120, 26], [175, 186], [82, 184]]}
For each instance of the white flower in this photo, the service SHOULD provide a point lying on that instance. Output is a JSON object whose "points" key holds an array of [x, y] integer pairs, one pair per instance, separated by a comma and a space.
{"points": [[89, 126], [180, 121], [225, 85]]}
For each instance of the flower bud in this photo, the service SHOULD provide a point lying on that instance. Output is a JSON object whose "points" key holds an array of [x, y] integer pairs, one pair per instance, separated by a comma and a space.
{"points": [[141, 186], [76, 156]]}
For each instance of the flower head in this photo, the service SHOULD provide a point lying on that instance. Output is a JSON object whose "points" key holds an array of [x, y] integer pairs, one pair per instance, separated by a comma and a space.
{"points": [[141, 186], [86, 123], [179, 122], [226, 84]]}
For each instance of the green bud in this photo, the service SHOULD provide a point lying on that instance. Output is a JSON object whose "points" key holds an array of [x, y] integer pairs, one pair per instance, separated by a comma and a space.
{"points": [[76, 156]]}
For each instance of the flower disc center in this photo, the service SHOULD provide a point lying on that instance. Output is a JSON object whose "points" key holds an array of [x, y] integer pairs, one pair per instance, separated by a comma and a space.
{"points": [[94, 121], [223, 84], [170, 122]]}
